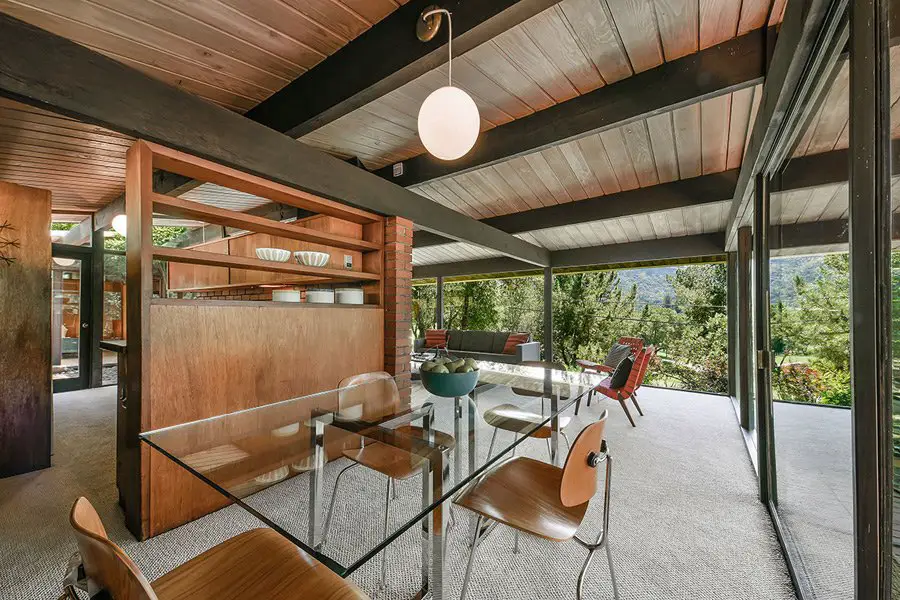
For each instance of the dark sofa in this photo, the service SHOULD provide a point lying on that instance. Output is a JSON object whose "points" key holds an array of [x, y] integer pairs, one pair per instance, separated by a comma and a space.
{"points": [[486, 345]]}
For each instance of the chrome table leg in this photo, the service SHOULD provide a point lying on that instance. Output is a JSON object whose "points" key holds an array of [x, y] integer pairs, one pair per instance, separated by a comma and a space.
{"points": [[554, 429], [316, 475]]}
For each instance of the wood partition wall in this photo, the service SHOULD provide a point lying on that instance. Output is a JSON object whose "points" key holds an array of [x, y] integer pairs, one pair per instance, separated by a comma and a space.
{"points": [[25, 396], [193, 359]]}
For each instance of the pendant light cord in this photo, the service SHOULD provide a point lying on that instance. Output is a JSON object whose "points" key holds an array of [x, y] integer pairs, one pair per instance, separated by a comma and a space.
{"points": [[449, 41]]}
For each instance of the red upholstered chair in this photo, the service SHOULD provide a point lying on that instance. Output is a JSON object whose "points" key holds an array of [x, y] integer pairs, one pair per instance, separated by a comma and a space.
{"points": [[435, 338], [637, 344], [626, 392]]}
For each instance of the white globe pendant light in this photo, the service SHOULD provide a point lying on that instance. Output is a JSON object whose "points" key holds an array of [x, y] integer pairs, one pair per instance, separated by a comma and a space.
{"points": [[120, 224], [448, 123], [448, 118]]}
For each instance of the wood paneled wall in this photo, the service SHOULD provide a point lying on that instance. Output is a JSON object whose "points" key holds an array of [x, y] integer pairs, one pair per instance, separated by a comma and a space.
{"points": [[25, 395], [211, 358]]}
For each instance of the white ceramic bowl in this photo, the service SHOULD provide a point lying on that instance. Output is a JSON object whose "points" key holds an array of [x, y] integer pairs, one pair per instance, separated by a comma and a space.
{"points": [[349, 296], [285, 296], [320, 296], [312, 259], [273, 254]]}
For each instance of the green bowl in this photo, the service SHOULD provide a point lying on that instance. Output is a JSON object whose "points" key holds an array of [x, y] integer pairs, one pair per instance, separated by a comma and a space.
{"points": [[449, 385]]}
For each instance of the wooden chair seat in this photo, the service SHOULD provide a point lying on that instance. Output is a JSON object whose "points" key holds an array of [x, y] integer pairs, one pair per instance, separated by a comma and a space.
{"points": [[257, 564], [523, 493], [393, 462], [510, 417]]}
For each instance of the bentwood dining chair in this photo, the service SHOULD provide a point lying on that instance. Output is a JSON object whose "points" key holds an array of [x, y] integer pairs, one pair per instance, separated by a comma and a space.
{"points": [[366, 396], [543, 500], [510, 417], [258, 563]]}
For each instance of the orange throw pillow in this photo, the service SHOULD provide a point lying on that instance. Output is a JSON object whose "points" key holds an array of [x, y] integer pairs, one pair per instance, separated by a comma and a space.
{"points": [[435, 338], [514, 340]]}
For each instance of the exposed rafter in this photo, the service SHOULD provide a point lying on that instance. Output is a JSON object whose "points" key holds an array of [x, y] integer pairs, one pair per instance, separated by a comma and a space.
{"points": [[729, 66], [48, 71], [806, 172], [798, 236], [384, 58], [683, 193]]}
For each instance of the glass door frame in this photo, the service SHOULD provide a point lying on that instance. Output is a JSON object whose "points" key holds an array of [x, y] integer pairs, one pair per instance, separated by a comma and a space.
{"points": [[84, 255], [870, 291]]}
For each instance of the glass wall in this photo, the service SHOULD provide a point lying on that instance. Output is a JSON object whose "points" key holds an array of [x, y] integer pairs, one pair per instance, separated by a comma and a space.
{"points": [[809, 303], [679, 309]]}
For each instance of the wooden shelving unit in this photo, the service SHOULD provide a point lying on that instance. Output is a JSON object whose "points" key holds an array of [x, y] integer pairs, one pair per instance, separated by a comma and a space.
{"points": [[191, 359], [349, 231], [185, 209], [181, 255]]}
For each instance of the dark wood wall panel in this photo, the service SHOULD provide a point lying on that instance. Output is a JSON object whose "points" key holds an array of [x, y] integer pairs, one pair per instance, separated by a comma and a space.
{"points": [[25, 395]]}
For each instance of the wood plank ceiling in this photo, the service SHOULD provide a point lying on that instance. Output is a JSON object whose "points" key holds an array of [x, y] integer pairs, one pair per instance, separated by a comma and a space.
{"points": [[233, 52], [236, 53], [565, 51]]}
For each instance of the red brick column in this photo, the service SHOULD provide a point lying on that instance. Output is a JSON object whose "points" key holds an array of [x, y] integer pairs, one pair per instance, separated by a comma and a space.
{"points": [[398, 234]]}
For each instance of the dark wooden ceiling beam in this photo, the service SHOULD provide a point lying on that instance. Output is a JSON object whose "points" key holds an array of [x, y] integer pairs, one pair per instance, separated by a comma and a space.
{"points": [[383, 59], [729, 66], [805, 172], [797, 236], [54, 73], [683, 193]]}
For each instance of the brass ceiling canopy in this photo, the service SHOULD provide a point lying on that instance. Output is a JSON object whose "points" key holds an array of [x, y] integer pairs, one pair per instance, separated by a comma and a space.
{"points": [[428, 23]]}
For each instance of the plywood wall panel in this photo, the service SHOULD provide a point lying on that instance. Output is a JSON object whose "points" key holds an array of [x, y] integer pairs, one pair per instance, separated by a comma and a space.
{"points": [[211, 358], [25, 394]]}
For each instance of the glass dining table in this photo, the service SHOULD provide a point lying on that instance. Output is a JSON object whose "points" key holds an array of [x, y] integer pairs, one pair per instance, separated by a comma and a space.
{"points": [[281, 461]]}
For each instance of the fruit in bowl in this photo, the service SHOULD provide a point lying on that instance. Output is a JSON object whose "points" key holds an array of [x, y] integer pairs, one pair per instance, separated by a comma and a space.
{"points": [[449, 377]]}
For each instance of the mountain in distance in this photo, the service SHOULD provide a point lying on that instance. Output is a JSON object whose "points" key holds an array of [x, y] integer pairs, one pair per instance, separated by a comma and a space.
{"points": [[653, 286]]}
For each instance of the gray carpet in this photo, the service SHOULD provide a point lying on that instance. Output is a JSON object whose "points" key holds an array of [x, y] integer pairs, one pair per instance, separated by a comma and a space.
{"points": [[814, 463], [685, 522]]}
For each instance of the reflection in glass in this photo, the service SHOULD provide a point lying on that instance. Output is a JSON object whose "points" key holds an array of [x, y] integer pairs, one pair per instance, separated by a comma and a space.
{"points": [[65, 328]]}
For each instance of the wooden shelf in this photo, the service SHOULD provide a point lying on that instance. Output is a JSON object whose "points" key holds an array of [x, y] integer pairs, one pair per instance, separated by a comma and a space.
{"points": [[186, 209], [241, 262]]}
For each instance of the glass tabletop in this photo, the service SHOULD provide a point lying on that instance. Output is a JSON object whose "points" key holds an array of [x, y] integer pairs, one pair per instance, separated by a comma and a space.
{"points": [[324, 469]]}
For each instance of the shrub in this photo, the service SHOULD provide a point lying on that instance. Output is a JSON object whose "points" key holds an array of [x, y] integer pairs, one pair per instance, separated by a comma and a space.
{"points": [[798, 383]]}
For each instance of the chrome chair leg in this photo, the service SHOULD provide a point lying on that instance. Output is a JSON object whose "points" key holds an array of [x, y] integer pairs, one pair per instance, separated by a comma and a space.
{"points": [[612, 572], [331, 504], [491, 447], [387, 518], [476, 537], [579, 588]]}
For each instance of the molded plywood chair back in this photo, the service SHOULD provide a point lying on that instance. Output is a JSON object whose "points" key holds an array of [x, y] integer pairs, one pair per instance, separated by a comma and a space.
{"points": [[105, 564]]}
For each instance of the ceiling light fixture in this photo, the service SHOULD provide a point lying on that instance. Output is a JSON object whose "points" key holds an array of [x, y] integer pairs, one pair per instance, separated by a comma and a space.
{"points": [[120, 224], [448, 118]]}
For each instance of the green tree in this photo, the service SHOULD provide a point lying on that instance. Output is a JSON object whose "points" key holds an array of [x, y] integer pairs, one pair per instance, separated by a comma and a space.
{"points": [[588, 312]]}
